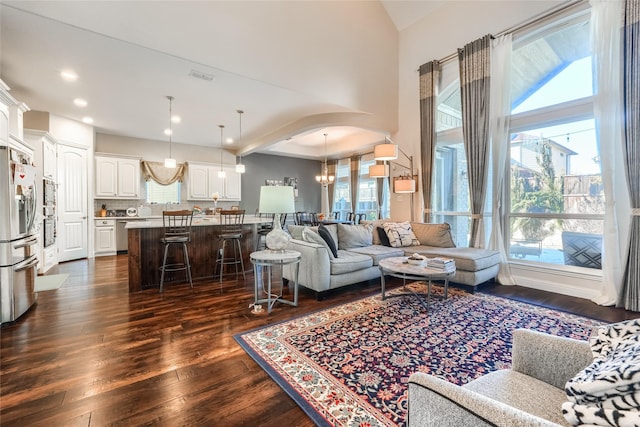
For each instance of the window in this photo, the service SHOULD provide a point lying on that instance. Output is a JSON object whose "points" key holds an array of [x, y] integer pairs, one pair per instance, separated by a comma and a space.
{"points": [[157, 193], [450, 198], [556, 206], [341, 193], [555, 185], [368, 189]]}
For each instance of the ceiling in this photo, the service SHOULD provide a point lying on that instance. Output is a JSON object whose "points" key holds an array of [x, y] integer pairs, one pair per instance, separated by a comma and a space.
{"points": [[298, 70]]}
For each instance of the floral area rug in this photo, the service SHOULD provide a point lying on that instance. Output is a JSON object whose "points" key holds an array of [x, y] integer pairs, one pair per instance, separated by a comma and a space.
{"points": [[349, 365]]}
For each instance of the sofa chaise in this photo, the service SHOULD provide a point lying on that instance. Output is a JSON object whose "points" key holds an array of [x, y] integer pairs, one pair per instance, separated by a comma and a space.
{"points": [[359, 248]]}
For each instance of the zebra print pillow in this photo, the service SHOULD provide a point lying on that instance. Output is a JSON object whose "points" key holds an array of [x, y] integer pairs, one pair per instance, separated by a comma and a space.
{"points": [[607, 392]]}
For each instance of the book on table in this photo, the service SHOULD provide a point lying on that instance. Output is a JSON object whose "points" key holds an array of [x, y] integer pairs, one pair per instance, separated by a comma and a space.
{"points": [[441, 263]]}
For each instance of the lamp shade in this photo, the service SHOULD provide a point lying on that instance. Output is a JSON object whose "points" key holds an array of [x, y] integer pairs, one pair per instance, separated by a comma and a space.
{"points": [[404, 186], [378, 171], [385, 152], [169, 163], [276, 199]]}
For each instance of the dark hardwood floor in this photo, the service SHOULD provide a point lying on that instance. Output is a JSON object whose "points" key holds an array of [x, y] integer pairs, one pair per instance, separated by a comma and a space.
{"points": [[91, 354]]}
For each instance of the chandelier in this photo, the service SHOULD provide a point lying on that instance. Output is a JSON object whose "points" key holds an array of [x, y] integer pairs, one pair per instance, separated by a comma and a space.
{"points": [[324, 178]]}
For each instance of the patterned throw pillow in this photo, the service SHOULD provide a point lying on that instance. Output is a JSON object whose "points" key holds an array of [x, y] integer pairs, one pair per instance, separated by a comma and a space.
{"points": [[607, 392], [400, 234]]}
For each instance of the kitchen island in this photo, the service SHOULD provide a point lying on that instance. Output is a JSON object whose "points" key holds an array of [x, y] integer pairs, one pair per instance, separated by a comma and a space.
{"points": [[146, 250]]}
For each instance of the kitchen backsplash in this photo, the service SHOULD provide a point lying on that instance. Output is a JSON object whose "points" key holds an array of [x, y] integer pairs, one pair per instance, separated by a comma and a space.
{"points": [[156, 209]]}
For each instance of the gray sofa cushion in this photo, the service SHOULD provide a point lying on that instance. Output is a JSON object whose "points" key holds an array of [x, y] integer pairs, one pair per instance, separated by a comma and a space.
{"points": [[378, 252], [522, 392], [354, 236], [468, 259], [348, 262]]}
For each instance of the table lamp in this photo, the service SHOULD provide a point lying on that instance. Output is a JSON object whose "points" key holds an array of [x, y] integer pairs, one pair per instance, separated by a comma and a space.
{"points": [[276, 199]]}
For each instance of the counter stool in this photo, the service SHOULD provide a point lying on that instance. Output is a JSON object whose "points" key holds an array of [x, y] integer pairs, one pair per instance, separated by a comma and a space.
{"points": [[231, 222], [177, 231]]}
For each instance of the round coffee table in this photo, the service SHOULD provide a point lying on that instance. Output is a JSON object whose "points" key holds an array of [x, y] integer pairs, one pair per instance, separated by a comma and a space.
{"points": [[400, 267]]}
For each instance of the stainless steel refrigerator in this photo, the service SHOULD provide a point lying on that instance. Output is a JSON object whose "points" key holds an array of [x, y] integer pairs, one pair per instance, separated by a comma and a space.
{"points": [[18, 240]]}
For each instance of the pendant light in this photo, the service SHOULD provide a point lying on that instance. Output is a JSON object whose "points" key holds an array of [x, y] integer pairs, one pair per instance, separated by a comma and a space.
{"points": [[239, 166], [221, 172], [324, 178], [170, 162]]}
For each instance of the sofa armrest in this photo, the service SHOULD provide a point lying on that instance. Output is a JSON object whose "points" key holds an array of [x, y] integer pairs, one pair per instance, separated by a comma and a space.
{"points": [[436, 402], [314, 270], [549, 358]]}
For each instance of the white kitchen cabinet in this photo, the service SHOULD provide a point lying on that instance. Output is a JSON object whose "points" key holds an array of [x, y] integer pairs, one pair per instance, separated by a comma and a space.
{"points": [[117, 177], [45, 146], [203, 181], [49, 157], [105, 237]]}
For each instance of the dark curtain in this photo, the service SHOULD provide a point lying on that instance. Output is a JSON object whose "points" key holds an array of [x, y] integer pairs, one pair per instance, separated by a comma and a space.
{"points": [[474, 61], [630, 296], [429, 77]]}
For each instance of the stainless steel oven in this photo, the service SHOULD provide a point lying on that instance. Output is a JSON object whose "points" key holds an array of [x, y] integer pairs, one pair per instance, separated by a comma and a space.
{"points": [[49, 231]]}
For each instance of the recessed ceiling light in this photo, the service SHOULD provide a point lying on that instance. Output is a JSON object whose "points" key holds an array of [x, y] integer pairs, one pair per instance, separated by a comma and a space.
{"points": [[176, 119], [229, 140], [69, 75], [87, 120], [80, 102], [168, 131]]}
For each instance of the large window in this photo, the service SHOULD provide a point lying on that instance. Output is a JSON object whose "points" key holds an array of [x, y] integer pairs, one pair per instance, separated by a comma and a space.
{"points": [[450, 199], [341, 189], [367, 202], [556, 196], [556, 201]]}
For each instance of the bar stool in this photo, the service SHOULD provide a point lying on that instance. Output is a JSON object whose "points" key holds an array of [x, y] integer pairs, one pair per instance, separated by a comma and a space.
{"points": [[177, 231], [231, 222]]}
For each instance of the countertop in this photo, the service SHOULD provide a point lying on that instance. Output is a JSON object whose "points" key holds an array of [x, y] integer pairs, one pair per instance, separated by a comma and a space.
{"points": [[201, 220], [128, 218]]}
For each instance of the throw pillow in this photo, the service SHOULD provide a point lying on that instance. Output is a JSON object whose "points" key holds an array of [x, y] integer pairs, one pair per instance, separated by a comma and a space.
{"points": [[438, 235], [354, 235], [382, 235], [400, 234], [608, 390], [326, 235], [308, 235]]}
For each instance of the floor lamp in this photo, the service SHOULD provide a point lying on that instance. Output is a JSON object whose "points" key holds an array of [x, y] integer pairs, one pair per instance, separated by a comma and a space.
{"points": [[388, 152]]}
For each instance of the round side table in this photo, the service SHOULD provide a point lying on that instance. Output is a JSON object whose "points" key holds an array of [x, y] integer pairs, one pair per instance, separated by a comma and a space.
{"points": [[267, 259]]}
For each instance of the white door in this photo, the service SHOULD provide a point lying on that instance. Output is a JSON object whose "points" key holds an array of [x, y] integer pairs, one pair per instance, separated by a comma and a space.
{"points": [[72, 203]]}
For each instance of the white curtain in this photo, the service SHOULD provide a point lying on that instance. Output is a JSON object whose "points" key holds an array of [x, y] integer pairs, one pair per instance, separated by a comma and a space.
{"points": [[499, 130], [606, 24]]}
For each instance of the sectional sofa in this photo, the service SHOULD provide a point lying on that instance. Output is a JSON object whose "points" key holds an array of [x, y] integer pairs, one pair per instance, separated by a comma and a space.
{"points": [[359, 248]]}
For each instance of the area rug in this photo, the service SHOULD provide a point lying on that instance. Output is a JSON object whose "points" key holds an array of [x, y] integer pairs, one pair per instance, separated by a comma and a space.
{"points": [[50, 282], [349, 365]]}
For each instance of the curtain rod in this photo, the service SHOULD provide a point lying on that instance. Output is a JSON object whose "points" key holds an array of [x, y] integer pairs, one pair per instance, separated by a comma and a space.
{"points": [[544, 15]]}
